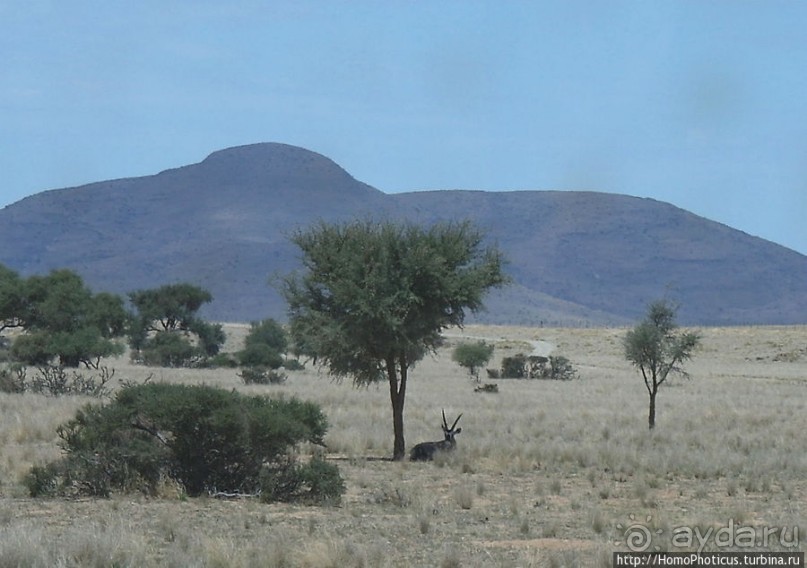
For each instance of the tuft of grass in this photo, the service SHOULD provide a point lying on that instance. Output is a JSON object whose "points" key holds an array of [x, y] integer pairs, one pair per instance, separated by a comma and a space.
{"points": [[464, 497], [334, 553], [92, 544], [451, 559], [514, 507], [598, 522], [731, 488], [564, 559], [396, 496], [551, 530], [424, 523], [524, 527]]}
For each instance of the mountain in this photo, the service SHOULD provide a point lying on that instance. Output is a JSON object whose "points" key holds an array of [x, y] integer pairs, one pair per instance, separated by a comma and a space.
{"points": [[577, 258], [614, 254]]}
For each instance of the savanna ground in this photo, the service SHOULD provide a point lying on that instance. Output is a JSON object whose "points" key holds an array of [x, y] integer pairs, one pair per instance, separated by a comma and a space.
{"points": [[545, 473]]}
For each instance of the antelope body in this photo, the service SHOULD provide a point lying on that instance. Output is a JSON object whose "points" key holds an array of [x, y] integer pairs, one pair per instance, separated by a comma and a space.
{"points": [[425, 451]]}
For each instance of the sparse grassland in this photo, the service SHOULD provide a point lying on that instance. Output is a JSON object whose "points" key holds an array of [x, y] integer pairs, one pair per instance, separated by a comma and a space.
{"points": [[546, 473]]}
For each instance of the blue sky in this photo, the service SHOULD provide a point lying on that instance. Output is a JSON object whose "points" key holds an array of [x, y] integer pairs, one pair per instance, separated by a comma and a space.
{"points": [[698, 103]]}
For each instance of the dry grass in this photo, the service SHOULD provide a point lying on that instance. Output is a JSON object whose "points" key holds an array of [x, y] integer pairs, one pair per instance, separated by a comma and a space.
{"points": [[544, 473]]}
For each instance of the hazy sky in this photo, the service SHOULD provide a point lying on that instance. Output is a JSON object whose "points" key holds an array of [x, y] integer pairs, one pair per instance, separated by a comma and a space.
{"points": [[699, 103]]}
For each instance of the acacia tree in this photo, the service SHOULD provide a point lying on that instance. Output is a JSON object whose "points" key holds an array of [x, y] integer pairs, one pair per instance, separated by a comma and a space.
{"points": [[472, 356], [171, 307], [165, 316], [64, 320], [374, 297], [657, 348], [264, 345]]}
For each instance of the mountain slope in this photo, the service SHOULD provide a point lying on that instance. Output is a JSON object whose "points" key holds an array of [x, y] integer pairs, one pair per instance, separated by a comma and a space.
{"points": [[576, 257], [615, 253]]}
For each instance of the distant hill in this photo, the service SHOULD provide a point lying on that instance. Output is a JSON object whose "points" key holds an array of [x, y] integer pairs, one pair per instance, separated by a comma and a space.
{"points": [[577, 258]]}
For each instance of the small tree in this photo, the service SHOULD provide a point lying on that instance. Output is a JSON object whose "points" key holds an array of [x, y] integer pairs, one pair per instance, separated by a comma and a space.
{"points": [[472, 356], [165, 322], [375, 297], [264, 346], [267, 332], [171, 307], [657, 348], [210, 336]]}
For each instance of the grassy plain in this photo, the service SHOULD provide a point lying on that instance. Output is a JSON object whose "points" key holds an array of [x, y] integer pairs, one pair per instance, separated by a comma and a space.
{"points": [[545, 474]]}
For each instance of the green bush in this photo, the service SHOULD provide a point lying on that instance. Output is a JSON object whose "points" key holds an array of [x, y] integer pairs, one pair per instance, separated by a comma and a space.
{"points": [[293, 365], [514, 367], [264, 345], [41, 481], [169, 349], [260, 355], [322, 481], [211, 336], [206, 439], [267, 332], [317, 482], [554, 367], [221, 360]]}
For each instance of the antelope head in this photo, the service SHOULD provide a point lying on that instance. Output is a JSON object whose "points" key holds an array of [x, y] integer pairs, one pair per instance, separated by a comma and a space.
{"points": [[426, 450]]}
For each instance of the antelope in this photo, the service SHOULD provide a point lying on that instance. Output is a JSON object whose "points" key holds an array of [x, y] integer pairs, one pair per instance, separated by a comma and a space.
{"points": [[425, 451]]}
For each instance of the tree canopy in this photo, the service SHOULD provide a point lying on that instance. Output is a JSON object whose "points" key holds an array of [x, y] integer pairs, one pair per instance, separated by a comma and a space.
{"points": [[169, 307], [165, 318], [657, 348], [264, 345], [472, 356], [374, 297], [62, 319]]}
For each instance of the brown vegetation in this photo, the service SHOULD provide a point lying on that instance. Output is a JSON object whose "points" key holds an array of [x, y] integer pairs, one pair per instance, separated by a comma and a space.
{"points": [[547, 472]]}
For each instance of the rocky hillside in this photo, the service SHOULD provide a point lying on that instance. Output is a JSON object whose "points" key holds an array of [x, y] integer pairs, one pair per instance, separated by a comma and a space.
{"points": [[577, 258]]}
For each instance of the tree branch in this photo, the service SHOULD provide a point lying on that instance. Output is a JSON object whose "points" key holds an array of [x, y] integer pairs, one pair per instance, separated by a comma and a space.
{"points": [[139, 425]]}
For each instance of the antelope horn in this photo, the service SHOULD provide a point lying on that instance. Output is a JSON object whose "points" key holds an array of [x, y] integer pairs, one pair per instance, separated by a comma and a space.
{"points": [[445, 422], [455, 422]]}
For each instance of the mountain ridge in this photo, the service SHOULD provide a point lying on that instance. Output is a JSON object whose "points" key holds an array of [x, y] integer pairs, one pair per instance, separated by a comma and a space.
{"points": [[577, 258]]}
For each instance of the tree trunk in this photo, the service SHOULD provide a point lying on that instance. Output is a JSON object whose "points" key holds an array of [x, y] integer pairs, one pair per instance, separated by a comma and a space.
{"points": [[397, 391], [651, 419]]}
